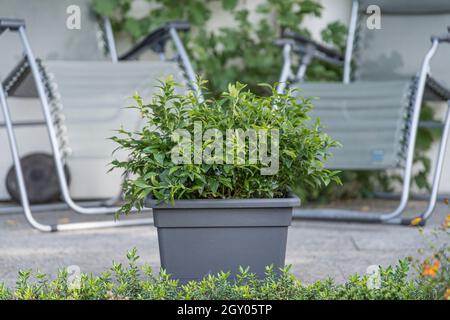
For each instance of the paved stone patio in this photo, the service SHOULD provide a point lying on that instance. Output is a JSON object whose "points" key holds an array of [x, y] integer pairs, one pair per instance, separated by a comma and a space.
{"points": [[316, 249]]}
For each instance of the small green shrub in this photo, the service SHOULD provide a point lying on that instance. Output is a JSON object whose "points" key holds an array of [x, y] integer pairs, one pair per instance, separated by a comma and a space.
{"points": [[133, 282], [299, 146]]}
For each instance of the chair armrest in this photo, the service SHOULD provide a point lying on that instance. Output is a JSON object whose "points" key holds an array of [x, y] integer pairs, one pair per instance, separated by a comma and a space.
{"points": [[155, 40], [11, 24], [442, 38], [304, 45]]}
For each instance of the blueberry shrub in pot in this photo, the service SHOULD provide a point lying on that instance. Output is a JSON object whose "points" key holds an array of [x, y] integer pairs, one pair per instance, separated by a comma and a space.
{"points": [[217, 174]]}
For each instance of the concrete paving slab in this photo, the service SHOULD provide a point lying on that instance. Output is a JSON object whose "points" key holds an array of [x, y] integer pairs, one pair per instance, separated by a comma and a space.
{"points": [[316, 249]]}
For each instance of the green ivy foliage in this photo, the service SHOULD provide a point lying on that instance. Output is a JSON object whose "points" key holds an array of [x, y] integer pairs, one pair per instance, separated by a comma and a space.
{"points": [[244, 51], [303, 148]]}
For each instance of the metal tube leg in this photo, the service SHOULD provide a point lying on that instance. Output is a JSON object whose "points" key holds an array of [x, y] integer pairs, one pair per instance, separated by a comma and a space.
{"points": [[413, 133], [350, 39], [305, 60], [437, 173], [23, 192], [186, 62], [394, 216], [18, 167], [286, 70], [110, 39], [21, 181], [439, 164], [46, 207], [53, 137]]}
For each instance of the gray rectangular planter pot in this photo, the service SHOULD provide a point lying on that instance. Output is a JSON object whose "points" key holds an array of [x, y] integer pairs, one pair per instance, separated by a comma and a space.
{"points": [[200, 237]]}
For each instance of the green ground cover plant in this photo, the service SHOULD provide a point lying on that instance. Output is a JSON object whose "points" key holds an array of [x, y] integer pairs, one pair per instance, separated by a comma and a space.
{"points": [[133, 282]]}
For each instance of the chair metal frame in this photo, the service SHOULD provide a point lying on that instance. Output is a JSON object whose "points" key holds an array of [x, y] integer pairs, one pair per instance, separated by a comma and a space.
{"points": [[18, 26], [310, 50]]}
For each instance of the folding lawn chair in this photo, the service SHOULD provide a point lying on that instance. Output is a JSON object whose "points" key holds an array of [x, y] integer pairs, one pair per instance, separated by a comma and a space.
{"points": [[375, 112], [82, 86]]}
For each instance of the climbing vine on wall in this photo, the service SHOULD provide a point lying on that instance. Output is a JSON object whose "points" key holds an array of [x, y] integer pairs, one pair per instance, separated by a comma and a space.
{"points": [[242, 51]]}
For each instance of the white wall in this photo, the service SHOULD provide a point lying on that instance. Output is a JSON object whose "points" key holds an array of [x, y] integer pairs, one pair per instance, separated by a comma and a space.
{"points": [[332, 10], [33, 140]]}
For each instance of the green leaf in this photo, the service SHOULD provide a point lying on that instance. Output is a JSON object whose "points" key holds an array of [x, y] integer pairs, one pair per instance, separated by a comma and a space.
{"points": [[133, 27], [141, 184], [229, 4], [105, 7], [214, 185], [173, 170], [159, 157]]}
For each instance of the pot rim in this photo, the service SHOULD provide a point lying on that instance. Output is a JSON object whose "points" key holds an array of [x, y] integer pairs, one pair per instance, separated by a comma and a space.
{"points": [[290, 201]]}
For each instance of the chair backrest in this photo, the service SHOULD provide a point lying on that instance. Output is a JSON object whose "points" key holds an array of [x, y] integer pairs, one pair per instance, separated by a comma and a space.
{"points": [[369, 119], [49, 35], [397, 49]]}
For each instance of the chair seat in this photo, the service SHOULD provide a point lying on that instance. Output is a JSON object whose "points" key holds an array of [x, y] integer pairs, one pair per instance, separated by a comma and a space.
{"points": [[92, 97], [369, 119]]}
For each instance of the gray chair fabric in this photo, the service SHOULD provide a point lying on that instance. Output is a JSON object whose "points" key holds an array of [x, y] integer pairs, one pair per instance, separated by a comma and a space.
{"points": [[370, 116], [397, 49], [49, 36], [367, 118], [90, 100], [408, 6], [88, 93]]}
